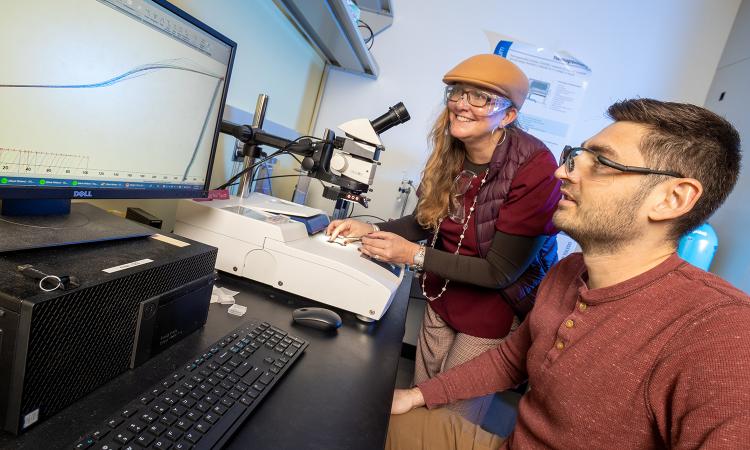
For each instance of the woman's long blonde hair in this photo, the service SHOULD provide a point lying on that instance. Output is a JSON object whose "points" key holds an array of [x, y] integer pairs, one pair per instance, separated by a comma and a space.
{"points": [[442, 167]]}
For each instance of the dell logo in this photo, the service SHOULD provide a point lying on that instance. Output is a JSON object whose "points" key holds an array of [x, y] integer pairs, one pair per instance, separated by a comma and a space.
{"points": [[82, 194]]}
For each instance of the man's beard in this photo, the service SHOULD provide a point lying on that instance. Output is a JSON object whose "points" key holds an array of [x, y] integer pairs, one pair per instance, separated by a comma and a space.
{"points": [[603, 228]]}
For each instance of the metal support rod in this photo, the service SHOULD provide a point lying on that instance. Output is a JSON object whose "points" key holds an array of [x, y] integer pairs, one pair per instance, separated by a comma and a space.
{"points": [[258, 117]]}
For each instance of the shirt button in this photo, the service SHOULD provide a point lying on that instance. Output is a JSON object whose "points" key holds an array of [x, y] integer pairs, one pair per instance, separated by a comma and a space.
{"points": [[569, 323], [559, 345], [582, 306]]}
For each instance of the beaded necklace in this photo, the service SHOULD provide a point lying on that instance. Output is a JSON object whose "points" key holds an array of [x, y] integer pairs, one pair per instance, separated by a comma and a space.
{"points": [[460, 240], [463, 230]]}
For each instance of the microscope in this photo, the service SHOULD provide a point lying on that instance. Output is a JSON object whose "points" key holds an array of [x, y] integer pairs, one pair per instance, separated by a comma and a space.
{"points": [[348, 163], [278, 242]]}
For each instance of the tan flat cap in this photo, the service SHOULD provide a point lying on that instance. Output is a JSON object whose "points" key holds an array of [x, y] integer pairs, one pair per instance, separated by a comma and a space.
{"points": [[492, 72]]}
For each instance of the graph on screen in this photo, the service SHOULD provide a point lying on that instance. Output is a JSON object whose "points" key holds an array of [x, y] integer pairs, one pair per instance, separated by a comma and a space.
{"points": [[90, 94]]}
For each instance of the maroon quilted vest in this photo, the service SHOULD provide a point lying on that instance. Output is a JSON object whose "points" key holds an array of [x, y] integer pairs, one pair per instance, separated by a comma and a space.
{"points": [[517, 148]]}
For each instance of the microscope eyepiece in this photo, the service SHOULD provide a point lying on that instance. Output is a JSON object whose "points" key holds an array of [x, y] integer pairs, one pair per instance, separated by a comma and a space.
{"points": [[396, 114]]}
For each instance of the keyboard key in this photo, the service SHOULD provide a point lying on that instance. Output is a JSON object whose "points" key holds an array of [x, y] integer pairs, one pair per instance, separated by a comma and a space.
{"points": [[113, 423], [192, 437], [243, 368], [210, 399], [202, 426], [123, 437], [178, 410], [157, 429], [168, 419], [182, 445], [86, 443], [202, 407], [128, 412], [146, 399], [184, 424], [148, 417], [162, 444], [136, 427], [144, 440], [173, 434], [211, 417], [266, 378]]}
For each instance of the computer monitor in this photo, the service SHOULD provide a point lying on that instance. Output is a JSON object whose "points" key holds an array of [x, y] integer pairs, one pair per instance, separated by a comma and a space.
{"points": [[106, 99]]}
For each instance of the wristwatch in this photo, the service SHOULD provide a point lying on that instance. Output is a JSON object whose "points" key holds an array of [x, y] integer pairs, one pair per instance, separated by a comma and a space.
{"points": [[375, 228], [419, 258]]}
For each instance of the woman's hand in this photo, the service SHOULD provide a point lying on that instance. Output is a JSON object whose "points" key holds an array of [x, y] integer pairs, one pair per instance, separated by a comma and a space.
{"points": [[389, 247], [404, 400], [348, 228]]}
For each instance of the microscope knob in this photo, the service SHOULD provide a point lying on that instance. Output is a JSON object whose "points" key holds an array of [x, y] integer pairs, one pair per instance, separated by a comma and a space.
{"points": [[338, 163], [308, 163]]}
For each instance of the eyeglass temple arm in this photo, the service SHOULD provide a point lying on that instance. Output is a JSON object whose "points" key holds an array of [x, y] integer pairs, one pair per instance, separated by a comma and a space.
{"points": [[636, 169]]}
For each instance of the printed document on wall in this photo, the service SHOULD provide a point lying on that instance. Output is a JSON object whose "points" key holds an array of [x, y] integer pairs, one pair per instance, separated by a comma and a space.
{"points": [[557, 84]]}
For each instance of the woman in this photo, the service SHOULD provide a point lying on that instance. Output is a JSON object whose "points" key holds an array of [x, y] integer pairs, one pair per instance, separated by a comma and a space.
{"points": [[485, 207]]}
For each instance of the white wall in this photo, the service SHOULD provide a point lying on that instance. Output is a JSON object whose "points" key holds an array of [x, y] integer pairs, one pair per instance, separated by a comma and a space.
{"points": [[667, 49], [732, 259]]}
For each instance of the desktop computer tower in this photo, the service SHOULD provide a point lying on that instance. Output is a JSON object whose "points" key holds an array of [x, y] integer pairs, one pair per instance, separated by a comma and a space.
{"points": [[136, 297]]}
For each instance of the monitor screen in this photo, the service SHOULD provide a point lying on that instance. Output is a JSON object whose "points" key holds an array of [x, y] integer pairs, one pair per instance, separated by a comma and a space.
{"points": [[108, 99]]}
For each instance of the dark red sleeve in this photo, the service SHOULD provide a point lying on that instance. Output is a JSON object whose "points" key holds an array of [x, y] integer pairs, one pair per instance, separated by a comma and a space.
{"points": [[532, 198]]}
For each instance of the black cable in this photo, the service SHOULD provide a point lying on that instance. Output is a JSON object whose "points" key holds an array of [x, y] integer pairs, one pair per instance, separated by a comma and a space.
{"points": [[371, 39], [368, 215], [230, 181]]}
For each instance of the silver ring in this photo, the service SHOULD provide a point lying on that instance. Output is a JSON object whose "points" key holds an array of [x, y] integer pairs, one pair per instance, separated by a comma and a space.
{"points": [[54, 277], [376, 256]]}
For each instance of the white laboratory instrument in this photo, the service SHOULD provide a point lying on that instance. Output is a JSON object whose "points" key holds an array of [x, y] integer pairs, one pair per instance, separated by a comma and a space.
{"points": [[257, 240]]}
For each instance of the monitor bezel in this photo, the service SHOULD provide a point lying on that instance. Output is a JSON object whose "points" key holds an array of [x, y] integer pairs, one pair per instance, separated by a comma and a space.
{"points": [[91, 193]]}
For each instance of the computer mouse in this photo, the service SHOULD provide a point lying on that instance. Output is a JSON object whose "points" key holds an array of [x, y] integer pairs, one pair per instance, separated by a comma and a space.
{"points": [[320, 318]]}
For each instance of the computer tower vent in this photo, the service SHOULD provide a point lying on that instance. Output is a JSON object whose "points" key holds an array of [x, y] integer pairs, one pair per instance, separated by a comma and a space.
{"points": [[76, 346]]}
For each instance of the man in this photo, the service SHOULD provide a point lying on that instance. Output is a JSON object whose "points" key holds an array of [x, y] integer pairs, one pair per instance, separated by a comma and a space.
{"points": [[628, 346]]}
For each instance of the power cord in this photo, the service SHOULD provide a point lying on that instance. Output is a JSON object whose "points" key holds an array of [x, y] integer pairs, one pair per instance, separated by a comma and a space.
{"points": [[371, 39]]}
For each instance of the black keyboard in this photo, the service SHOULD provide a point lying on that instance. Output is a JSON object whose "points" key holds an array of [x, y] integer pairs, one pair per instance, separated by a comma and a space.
{"points": [[202, 404]]}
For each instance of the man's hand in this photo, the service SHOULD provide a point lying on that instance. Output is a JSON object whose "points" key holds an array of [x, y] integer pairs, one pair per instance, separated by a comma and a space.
{"points": [[348, 228], [404, 400], [389, 247]]}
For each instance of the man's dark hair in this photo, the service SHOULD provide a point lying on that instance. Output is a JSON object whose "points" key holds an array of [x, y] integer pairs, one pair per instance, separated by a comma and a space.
{"points": [[689, 140]]}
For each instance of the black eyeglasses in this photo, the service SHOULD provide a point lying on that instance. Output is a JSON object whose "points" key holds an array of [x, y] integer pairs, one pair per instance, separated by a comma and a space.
{"points": [[595, 163]]}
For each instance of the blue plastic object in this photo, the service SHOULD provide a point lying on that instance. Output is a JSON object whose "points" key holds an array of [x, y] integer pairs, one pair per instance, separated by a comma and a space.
{"points": [[699, 246], [314, 223]]}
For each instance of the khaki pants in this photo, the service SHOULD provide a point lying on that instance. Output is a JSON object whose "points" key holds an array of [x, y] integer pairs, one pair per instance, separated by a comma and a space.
{"points": [[437, 429], [439, 347]]}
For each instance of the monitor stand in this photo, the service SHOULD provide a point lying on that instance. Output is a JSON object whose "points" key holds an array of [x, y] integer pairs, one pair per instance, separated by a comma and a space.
{"points": [[84, 223]]}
